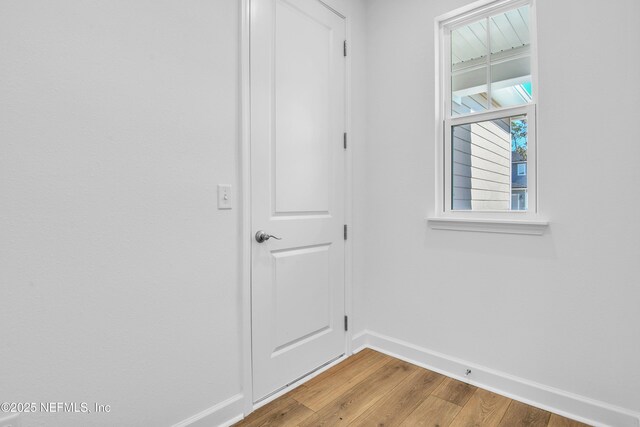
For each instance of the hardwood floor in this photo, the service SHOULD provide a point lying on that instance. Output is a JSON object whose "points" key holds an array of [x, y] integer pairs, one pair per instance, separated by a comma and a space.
{"points": [[373, 389]]}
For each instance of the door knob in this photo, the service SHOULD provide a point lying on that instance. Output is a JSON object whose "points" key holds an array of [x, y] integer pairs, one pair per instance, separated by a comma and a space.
{"points": [[263, 236]]}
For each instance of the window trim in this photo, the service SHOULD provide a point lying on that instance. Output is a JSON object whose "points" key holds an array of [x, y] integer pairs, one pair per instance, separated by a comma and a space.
{"points": [[530, 111], [500, 221]]}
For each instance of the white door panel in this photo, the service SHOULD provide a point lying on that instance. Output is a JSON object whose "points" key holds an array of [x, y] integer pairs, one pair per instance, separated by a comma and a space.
{"points": [[301, 148], [297, 180], [294, 321]]}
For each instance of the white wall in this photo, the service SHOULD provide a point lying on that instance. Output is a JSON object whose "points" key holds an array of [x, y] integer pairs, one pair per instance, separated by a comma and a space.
{"points": [[118, 275], [357, 149], [561, 309]]}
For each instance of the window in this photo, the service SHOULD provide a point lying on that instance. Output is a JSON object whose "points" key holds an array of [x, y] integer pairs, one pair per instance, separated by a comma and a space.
{"points": [[486, 126]]}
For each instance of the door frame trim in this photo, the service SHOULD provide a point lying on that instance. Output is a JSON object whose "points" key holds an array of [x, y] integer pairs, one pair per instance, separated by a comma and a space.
{"points": [[244, 178], [244, 172]]}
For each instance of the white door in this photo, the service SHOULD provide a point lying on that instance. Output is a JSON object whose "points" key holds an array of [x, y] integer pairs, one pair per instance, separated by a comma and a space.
{"points": [[297, 189]]}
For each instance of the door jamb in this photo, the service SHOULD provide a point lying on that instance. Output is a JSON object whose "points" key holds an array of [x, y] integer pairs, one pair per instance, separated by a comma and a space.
{"points": [[244, 177], [244, 156]]}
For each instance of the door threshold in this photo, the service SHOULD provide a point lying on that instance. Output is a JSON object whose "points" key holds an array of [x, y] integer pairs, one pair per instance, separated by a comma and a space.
{"points": [[299, 381]]}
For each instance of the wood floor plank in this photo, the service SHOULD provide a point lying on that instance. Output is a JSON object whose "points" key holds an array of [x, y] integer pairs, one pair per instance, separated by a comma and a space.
{"points": [[522, 415], [373, 389], [558, 421], [316, 394], [484, 409], [355, 361], [351, 404], [433, 412], [284, 411], [455, 391], [403, 399]]}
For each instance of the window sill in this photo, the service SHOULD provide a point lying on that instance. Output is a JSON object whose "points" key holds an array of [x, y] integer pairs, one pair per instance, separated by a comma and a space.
{"points": [[508, 226]]}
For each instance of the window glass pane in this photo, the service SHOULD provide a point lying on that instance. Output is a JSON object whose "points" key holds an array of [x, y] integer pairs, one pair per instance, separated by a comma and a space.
{"points": [[469, 52], [510, 58], [485, 158], [519, 169]]}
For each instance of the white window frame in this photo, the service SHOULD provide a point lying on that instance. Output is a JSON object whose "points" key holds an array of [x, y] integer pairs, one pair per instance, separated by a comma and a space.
{"points": [[519, 222]]}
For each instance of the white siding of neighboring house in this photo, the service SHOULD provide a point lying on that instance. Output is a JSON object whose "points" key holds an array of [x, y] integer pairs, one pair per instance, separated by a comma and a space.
{"points": [[482, 166]]}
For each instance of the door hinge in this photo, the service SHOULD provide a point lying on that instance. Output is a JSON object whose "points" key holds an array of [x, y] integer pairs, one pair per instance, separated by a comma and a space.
{"points": [[345, 141], [345, 48], [346, 323], [345, 232]]}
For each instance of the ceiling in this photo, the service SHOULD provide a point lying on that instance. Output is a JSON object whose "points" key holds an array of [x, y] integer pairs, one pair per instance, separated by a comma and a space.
{"points": [[508, 30]]}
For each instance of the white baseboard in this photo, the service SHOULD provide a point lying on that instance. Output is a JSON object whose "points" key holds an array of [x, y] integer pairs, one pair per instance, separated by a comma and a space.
{"points": [[561, 402], [223, 414], [359, 341]]}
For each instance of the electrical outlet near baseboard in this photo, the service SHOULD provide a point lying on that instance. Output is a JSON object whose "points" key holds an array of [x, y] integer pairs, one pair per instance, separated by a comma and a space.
{"points": [[11, 421]]}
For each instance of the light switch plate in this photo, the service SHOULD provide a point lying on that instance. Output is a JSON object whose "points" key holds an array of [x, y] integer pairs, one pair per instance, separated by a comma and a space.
{"points": [[224, 196]]}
